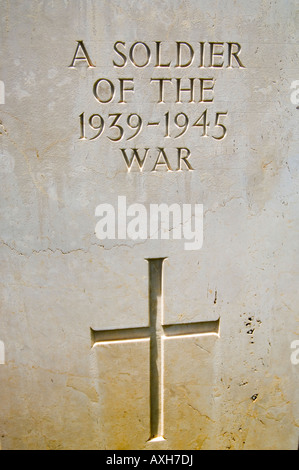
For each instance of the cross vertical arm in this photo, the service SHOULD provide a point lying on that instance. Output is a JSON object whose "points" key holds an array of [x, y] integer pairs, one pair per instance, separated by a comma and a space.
{"points": [[156, 347]]}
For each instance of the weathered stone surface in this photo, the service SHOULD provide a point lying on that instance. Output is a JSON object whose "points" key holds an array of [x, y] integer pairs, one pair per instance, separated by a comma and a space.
{"points": [[235, 390]]}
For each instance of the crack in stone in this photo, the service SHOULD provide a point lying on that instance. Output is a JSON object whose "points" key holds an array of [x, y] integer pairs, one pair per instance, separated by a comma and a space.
{"points": [[224, 204], [70, 252], [202, 415]]}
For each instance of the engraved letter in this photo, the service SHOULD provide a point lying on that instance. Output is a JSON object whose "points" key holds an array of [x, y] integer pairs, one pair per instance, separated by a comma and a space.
{"points": [[148, 54], [120, 54], [180, 90], [184, 159], [203, 88], [214, 53], [97, 90], [135, 155], [85, 57], [158, 51], [232, 54], [165, 160], [161, 87], [179, 54], [123, 89], [202, 54]]}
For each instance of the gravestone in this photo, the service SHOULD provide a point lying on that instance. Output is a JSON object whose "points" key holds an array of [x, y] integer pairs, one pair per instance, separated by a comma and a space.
{"points": [[149, 175]]}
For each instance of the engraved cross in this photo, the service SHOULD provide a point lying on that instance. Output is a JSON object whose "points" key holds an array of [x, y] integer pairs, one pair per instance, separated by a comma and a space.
{"points": [[157, 332]]}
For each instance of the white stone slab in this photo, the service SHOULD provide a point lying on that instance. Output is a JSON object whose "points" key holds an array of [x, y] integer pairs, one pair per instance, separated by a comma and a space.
{"points": [[61, 387]]}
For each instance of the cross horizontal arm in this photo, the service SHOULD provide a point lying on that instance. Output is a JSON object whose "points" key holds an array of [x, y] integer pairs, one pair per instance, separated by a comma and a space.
{"points": [[188, 329], [126, 334]]}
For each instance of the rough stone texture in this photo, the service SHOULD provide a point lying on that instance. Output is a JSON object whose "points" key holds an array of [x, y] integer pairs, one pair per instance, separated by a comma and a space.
{"points": [[238, 391]]}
